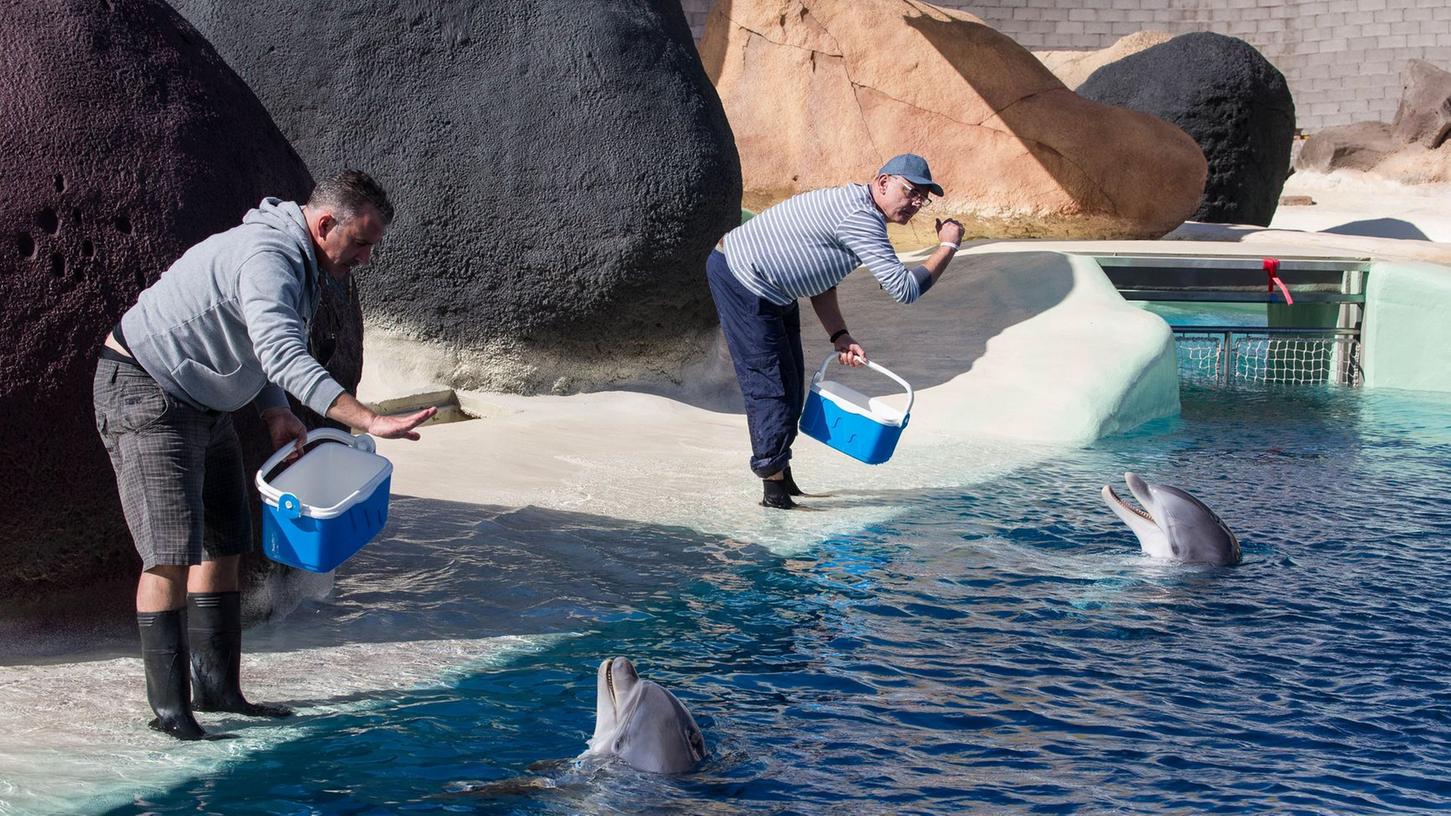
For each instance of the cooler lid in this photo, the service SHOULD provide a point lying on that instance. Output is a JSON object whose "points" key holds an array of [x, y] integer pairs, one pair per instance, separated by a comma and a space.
{"points": [[853, 401]]}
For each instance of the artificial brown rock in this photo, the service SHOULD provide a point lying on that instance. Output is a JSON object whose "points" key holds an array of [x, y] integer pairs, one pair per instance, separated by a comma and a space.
{"points": [[820, 93], [124, 140], [1073, 67]]}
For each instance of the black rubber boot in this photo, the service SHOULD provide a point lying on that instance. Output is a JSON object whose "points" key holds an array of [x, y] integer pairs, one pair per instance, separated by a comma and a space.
{"points": [[168, 677], [215, 625], [791, 488], [774, 495]]}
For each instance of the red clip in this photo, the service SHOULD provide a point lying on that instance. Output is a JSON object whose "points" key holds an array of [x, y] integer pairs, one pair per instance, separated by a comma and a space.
{"points": [[1272, 272]]}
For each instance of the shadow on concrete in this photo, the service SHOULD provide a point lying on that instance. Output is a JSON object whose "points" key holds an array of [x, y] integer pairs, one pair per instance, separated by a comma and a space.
{"points": [[1380, 228], [928, 342], [449, 570], [434, 560], [445, 570], [942, 335]]}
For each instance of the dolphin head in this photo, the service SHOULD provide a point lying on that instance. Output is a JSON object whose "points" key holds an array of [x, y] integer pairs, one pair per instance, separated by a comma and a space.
{"points": [[642, 723], [1174, 524]]}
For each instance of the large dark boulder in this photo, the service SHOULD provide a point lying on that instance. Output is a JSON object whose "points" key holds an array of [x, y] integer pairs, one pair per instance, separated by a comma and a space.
{"points": [[560, 169], [124, 139], [1227, 96]]}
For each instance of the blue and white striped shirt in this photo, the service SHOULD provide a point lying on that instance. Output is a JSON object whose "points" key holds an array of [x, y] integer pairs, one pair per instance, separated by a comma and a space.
{"points": [[810, 242]]}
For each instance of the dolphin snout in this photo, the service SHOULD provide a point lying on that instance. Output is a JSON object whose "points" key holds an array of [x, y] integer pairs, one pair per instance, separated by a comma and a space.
{"points": [[1119, 506]]}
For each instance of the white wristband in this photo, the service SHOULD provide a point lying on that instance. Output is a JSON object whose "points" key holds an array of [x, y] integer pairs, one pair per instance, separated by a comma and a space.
{"points": [[949, 244]]}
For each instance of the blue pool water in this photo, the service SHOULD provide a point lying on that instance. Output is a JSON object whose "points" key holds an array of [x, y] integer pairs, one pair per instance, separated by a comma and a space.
{"points": [[998, 649]]}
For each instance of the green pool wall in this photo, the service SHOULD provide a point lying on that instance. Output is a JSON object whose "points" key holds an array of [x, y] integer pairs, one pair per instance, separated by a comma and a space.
{"points": [[1406, 333]]}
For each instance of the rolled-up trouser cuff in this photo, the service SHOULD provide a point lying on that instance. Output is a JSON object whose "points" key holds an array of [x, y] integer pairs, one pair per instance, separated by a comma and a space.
{"points": [[772, 466]]}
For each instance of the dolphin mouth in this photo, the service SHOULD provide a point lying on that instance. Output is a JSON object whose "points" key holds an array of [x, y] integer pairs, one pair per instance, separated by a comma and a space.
{"points": [[1140, 512], [610, 684]]}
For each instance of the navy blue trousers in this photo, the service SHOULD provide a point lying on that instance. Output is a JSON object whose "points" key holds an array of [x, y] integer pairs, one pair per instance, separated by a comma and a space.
{"points": [[765, 344]]}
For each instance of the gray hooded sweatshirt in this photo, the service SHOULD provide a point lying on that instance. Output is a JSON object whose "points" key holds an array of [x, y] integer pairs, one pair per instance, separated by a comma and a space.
{"points": [[228, 322]]}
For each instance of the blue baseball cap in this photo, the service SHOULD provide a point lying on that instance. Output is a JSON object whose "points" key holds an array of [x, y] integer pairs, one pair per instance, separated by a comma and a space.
{"points": [[913, 168]]}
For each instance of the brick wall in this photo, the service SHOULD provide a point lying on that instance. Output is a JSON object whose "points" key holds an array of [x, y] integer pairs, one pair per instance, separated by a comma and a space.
{"points": [[1342, 58]]}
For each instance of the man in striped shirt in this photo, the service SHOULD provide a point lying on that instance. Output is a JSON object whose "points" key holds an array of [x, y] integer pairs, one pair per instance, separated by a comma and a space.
{"points": [[804, 247]]}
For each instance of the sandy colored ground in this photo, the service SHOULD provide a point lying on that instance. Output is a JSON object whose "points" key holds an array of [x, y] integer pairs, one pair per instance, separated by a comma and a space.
{"points": [[1351, 203]]}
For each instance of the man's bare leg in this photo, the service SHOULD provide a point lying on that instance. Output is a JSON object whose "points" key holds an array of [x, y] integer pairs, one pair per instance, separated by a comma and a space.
{"points": [[161, 589], [217, 575]]}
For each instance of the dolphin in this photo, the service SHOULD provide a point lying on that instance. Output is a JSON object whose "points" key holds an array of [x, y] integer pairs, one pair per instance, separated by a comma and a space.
{"points": [[1174, 524], [642, 723]]}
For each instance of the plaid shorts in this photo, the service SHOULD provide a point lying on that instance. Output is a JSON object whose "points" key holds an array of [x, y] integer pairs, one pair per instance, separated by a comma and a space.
{"points": [[179, 469]]}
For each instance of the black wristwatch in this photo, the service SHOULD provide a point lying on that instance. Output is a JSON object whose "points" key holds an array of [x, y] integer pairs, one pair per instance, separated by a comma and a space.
{"points": [[838, 333]]}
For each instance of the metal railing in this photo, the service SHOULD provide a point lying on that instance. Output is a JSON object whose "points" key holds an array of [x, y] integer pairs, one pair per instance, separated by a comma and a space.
{"points": [[1233, 355]]}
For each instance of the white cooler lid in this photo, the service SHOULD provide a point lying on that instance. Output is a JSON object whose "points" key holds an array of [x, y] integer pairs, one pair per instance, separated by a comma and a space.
{"points": [[330, 478], [851, 400]]}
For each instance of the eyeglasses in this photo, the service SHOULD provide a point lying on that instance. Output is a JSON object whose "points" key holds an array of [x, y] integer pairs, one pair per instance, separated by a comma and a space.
{"points": [[914, 195]]}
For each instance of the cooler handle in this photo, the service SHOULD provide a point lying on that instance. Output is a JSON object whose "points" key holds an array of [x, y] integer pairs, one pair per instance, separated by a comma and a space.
{"points": [[362, 442], [821, 372]]}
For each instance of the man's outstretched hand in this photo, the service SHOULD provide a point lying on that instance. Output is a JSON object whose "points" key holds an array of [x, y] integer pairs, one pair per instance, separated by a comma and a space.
{"points": [[400, 427], [347, 410]]}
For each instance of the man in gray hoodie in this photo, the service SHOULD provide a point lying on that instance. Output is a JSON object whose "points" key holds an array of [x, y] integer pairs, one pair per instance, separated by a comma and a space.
{"points": [[226, 325]]}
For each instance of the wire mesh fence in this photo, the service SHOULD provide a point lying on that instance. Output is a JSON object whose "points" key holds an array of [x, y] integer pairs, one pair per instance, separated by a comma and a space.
{"points": [[1211, 356]]}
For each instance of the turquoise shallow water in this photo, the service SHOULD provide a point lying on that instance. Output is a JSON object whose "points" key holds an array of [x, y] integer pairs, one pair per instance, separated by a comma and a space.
{"points": [[997, 649], [1246, 315]]}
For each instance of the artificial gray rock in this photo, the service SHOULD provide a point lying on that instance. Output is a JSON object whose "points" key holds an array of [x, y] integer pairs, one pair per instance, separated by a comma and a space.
{"points": [[1359, 146], [560, 170], [1412, 149], [1227, 96], [124, 139], [1424, 114]]}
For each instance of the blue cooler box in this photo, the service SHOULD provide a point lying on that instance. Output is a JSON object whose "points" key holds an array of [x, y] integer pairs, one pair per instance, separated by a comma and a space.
{"points": [[328, 504], [862, 427]]}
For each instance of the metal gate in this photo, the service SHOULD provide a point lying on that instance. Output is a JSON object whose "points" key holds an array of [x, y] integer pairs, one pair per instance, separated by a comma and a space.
{"points": [[1227, 355], [1239, 355]]}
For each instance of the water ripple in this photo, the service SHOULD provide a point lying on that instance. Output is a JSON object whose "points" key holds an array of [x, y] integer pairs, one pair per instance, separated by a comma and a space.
{"points": [[998, 649]]}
